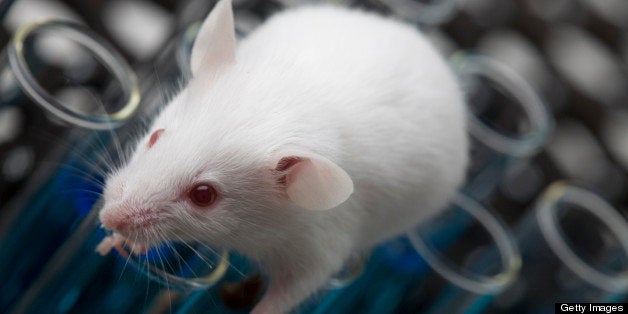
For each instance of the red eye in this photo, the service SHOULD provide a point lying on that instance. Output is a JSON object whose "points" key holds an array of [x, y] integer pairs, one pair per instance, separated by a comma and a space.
{"points": [[203, 194]]}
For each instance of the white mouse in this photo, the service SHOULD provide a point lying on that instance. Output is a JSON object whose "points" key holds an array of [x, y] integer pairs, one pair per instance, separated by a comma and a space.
{"points": [[324, 132]]}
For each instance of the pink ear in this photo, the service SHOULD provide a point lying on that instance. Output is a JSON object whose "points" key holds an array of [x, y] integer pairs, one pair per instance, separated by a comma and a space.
{"points": [[313, 181], [215, 43]]}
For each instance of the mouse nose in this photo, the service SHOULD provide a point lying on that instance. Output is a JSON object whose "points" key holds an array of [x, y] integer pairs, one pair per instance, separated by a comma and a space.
{"points": [[113, 219]]}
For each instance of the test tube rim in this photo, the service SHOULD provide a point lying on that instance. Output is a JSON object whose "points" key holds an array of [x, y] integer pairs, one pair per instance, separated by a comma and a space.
{"points": [[542, 124], [481, 285], [547, 219], [173, 281], [105, 53]]}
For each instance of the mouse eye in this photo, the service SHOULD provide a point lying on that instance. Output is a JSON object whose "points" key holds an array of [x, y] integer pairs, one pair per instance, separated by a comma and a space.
{"points": [[203, 194]]}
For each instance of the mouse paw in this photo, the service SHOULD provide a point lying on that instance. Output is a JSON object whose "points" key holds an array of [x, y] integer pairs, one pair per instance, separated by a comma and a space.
{"points": [[104, 247], [116, 241]]}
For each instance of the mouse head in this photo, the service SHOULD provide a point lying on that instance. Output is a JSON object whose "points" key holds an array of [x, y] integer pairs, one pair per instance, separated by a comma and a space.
{"points": [[191, 180]]}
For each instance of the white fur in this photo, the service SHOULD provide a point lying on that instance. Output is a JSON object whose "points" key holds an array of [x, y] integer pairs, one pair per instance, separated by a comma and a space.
{"points": [[368, 94]]}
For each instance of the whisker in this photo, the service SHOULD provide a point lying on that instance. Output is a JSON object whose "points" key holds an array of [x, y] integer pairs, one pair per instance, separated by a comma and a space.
{"points": [[212, 250], [126, 262], [197, 253], [110, 128], [177, 256]]}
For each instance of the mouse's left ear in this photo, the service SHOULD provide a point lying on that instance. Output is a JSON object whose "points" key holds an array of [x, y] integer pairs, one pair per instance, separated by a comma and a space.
{"points": [[214, 46], [312, 181]]}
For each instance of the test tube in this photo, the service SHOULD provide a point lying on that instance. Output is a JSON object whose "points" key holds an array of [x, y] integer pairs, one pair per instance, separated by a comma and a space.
{"points": [[477, 262], [37, 221], [75, 278], [574, 247], [507, 120], [55, 100], [78, 279]]}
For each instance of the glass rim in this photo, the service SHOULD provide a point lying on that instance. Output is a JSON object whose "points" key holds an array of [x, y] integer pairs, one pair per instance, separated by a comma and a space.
{"points": [[174, 281], [479, 284], [542, 124], [548, 221], [96, 45], [357, 267]]}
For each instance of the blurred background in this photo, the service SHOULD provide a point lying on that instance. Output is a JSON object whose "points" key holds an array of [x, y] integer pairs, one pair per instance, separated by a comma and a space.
{"points": [[541, 218]]}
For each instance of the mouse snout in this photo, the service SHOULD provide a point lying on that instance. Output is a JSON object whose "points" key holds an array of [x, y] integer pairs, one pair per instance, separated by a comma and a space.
{"points": [[127, 219], [113, 219]]}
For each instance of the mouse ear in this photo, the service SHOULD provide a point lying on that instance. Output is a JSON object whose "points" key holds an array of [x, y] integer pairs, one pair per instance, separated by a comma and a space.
{"points": [[313, 181], [215, 42]]}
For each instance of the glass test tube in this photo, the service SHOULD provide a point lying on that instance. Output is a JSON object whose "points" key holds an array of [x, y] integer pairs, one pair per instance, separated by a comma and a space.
{"points": [[476, 265], [507, 120], [574, 247], [58, 196], [49, 101], [75, 278], [78, 279]]}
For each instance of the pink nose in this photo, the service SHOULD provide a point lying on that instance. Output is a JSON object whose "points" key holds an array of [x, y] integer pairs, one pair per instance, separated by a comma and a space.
{"points": [[113, 219]]}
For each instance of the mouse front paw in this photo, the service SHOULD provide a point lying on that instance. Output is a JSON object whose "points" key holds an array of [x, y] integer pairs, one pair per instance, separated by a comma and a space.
{"points": [[109, 242], [116, 241]]}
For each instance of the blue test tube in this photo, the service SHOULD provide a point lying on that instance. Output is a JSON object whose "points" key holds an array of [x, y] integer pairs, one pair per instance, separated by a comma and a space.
{"points": [[57, 198], [477, 265], [78, 279], [574, 248], [75, 278], [507, 123]]}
